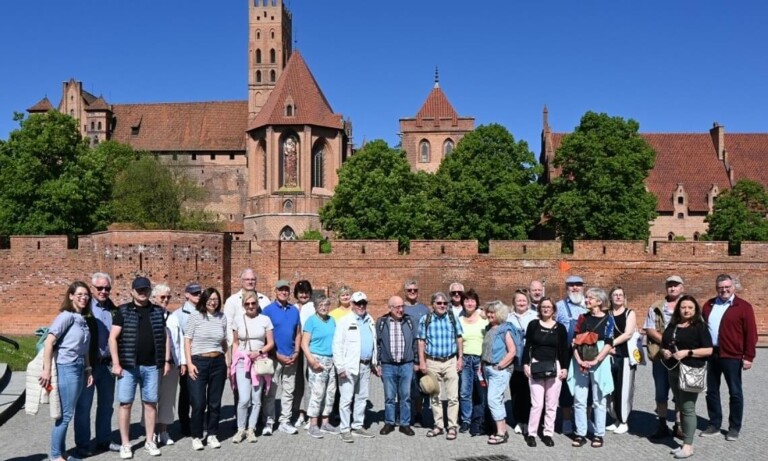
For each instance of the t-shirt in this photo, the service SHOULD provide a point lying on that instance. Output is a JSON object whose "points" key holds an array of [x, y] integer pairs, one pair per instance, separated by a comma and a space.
{"points": [[321, 335], [286, 321], [306, 311], [694, 336], [473, 335], [145, 340], [72, 335], [340, 312], [253, 331], [416, 311], [545, 344], [206, 332]]}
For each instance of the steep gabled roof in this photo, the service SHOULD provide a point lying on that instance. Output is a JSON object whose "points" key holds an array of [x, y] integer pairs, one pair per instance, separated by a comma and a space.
{"points": [[98, 104], [178, 127], [297, 86], [44, 105], [747, 153], [436, 107]]}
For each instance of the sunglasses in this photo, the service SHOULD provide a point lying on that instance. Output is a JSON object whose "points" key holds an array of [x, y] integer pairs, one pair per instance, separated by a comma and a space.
{"points": [[412, 290], [164, 297], [106, 288], [457, 293], [250, 304], [440, 303]]}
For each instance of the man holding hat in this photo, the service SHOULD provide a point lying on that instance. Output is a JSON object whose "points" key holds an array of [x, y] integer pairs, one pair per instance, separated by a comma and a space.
{"points": [[355, 357], [569, 309], [287, 334], [137, 344]]}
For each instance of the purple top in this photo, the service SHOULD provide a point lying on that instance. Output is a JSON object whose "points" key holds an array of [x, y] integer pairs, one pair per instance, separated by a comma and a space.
{"points": [[72, 335]]}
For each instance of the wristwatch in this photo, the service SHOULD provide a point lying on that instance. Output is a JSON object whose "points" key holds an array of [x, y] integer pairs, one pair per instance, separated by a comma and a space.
{"points": [[690, 352]]}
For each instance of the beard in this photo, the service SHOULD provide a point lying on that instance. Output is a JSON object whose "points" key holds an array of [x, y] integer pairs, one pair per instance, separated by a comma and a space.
{"points": [[576, 298]]}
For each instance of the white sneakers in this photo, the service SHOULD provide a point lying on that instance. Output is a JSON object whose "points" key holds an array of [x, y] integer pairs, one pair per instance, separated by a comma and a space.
{"points": [[163, 439], [287, 428], [621, 429], [197, 444], [151, 449], [213, 442], [126, 452]]}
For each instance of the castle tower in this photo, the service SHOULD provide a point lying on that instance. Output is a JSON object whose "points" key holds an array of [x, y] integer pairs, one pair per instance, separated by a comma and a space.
{"points": [[269, 47]]}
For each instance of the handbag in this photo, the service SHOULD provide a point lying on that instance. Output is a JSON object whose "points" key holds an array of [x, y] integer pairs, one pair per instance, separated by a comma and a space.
{"points": [[544, 369], [586, 342], [693, 379], [263, 365], [654, 348]]}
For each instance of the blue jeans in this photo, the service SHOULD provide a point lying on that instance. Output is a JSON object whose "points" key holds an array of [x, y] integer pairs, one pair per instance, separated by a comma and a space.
{"points": [[661, 381], [580, 397], [497, 384], [471, 395], [397, 387], [730, 369], [104, 386], [71, 381], [205, 393]]}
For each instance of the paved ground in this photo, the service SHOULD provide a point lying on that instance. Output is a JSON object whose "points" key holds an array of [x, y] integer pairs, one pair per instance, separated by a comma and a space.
{"points": [[27, 437]]}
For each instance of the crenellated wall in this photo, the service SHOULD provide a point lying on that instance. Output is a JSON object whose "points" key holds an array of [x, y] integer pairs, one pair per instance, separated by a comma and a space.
{"points": [[35, 271]]}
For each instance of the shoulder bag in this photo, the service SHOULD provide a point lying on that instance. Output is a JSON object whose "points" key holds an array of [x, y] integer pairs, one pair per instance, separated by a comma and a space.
{"points": [[543, 369], [586, 342], [263, 365]]}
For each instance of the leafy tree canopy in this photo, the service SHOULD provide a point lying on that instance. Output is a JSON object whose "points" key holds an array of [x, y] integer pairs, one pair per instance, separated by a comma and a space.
{"points": [[740, 214], [600, 193]]}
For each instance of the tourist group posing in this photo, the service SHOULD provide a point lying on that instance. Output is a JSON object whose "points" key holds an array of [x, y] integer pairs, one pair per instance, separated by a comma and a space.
{"points": [[579, 353]]}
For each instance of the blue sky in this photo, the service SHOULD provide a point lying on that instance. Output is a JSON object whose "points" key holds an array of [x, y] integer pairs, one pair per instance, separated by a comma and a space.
{"points": [[674, 66]]}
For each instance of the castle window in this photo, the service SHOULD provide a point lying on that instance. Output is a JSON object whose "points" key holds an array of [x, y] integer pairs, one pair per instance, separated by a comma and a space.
{"points": [[92, 125], [95, 140], [288, 206], [289, 110], [272, 33], [258, 56], [134, 131], [680, 200], [258, 76], [680, 216], [447, 147], [258, 35], [671, 236], [318, 166], [99, 125], [288, 234], [72, 113], [424, 151], [272, 56], [696, 236], [272, 75]]}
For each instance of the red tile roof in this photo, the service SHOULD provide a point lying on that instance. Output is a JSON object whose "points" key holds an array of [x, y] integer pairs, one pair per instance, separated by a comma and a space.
{"points": [[748, 155], [44, 105], [298, 86], [436, 107], [98, 104], [188, 126]]}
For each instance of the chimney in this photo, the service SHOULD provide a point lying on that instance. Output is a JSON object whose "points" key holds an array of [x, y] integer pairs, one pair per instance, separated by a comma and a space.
{"points": [[718, 139]]}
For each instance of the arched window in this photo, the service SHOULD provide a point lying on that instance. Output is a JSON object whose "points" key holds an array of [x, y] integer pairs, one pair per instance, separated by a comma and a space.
{"points": [[447, 147], [288, 206], [272, 56], [258, 34], [671, 236], [288, 234], [272, 33], [696, 236], [289, 110], [93, 125], [680, 216], [258, 76], [272, 75], [99, 126], [424, 151], [258, 56], [318, 165]]}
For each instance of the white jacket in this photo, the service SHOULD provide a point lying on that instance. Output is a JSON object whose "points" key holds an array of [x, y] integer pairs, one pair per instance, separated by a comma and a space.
{"points": [[35, 394], [346, 344], [177, 340]]}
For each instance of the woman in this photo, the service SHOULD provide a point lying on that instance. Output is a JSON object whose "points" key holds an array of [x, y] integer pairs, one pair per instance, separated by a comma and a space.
{"points": [[497, 356], [592, 371], [345, 306], [518, 384], [625, 324], [472, 393], [70, 338], [252, 338], [686, 340], [302, 291], [546, 344], [205, 342], [166, 403], [317, 346]]}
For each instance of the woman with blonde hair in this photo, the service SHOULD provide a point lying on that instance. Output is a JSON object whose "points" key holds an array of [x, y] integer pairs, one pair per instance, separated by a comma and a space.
{"points": [[623, 372], [498, 356]]}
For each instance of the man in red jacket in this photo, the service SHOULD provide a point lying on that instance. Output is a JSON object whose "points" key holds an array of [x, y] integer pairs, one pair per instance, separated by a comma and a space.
{"points": [[734, 337]]}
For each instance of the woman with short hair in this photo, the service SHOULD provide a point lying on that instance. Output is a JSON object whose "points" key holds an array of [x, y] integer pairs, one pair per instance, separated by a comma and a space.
{"points": [[497, 356], [520, 317], [623, 372], [302, 292], [317, 345]]}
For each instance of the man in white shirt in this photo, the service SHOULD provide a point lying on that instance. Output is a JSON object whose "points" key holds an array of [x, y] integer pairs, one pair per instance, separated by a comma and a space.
{"points": [[234, 305]]}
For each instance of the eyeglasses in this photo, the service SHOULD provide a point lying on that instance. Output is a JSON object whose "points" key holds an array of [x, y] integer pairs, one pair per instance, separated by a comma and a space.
{"points": [[251, 304], [412, 290], [80, 295], [457, 293], [213, 301], [164, 297], [521, 291], [106, 288], [441, 303], [398, 307]]}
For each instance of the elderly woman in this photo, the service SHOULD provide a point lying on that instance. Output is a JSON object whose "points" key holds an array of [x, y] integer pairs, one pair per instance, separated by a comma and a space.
{"points": [[302, 291], [472, 393], [498, 355], [589, 368], [205, 343], [70, 338], [317, 345], [252, 338], [623, 372], [518, 383], [545, 360], [686, 341]]}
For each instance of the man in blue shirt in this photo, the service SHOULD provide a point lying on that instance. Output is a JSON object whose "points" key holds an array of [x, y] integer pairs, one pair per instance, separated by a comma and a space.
{"points": [[416, 310], [287, 334]]}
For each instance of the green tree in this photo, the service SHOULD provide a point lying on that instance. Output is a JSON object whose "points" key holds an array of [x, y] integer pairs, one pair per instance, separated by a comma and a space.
{"points": [[488, 188], [600, 193], [378, 197], [740, 214]]}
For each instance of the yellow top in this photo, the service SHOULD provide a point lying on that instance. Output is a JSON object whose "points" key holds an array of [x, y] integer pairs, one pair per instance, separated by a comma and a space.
{"points": [[473, 335], [338, 313]]}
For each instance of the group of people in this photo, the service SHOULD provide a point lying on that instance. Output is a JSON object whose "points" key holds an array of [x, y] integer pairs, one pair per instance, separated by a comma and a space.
{"points": [[579, 353]]}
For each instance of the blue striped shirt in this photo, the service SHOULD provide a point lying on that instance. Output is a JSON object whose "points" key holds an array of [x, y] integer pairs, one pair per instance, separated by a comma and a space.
{"points": [[439, 337]]}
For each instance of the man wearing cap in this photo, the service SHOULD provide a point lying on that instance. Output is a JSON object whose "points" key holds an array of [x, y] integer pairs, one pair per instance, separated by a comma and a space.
{"points": [[536, 292], [355, 357], [568, 311], [181, 317], [99, 324], [397, 353], [733, 328], [233, 307], [659, 316], [137, 343], [416, 310], [287, 334], [441, 352], [456, 290]]}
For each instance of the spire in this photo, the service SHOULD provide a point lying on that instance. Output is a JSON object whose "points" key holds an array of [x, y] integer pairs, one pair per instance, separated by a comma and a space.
{"points": [[437, 78], [546, 118]]}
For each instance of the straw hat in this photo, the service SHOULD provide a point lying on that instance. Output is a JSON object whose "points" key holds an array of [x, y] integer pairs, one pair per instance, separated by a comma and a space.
{"points": [[429, 384]]}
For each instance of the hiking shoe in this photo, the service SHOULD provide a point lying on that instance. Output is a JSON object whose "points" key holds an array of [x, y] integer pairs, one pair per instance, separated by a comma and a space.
{"points": [[362, 432], [315, 432], [346, 437], [287, 428], [250, 436], [239, 436], [329, 429], [197, 444], [710, 431], [126, 452], [151, 449], [213, 441], [732, 436]]}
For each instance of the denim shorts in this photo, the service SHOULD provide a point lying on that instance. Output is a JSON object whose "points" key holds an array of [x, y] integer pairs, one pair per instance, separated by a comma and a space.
{"points": [[146, 377]]}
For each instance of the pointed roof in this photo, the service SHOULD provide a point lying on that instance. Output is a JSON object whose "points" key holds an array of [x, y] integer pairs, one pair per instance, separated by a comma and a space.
{"points": [[44, 105], [98, 104], [436, 107], [297, 87]]}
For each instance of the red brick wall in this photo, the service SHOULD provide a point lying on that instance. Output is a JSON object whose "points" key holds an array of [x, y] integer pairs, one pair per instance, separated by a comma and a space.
{"points": [[32, 280]]}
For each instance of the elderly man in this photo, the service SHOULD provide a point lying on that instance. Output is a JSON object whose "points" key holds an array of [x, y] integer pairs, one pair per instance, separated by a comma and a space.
{"points": [[99, 324], [659, 316], [568, 311], [733, 328], [416, 310], [181, 317], [536, 292], [234, 305], [456, 290], [355, 357], [397, 353], [441, 353], [137, 343]]}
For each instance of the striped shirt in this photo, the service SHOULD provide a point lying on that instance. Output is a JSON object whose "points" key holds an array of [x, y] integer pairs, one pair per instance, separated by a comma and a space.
{"points": [[439, 337], [396, 339], [206, 332]]}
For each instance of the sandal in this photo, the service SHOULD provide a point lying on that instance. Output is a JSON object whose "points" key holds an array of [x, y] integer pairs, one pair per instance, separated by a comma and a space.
{"points": [[451, 434], [579, 441], [498, 439], [434, 432], [597, 442]]}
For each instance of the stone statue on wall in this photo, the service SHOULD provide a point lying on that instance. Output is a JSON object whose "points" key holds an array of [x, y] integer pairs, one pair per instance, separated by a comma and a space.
{"points": [[290, 162]]}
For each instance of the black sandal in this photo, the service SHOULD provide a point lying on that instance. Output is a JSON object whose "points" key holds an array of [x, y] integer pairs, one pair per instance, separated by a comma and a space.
{"points": [[435, 431], [498, 439], [597, 442], [579, 441]]}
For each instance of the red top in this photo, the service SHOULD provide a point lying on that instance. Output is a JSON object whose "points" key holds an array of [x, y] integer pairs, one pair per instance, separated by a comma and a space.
{"points": [[737, 337]]}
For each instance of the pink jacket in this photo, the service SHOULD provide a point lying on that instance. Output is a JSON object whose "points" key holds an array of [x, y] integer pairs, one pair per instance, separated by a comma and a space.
{"points": [[247, 363]]}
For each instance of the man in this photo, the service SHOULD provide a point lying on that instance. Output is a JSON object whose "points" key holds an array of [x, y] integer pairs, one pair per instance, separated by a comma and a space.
{"points": [[441, 352], [397, 353], [137, 343], [416, 310], [181, 317], [456, 290], [536, 291], [287, 335], [234, 305], [659, 316], [733, 328], [568, 311], [99, 324], [355, 355]]}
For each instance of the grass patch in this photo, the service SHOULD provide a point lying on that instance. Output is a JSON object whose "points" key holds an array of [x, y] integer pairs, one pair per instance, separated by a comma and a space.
{"points": [[17, 360]]}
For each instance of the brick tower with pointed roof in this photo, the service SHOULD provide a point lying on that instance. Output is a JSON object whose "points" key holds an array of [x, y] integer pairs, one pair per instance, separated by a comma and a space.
{"points": [[434, 132]]}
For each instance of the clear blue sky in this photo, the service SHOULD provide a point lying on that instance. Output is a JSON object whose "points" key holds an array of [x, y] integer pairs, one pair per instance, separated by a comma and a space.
{"points": [[674, 66]]}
